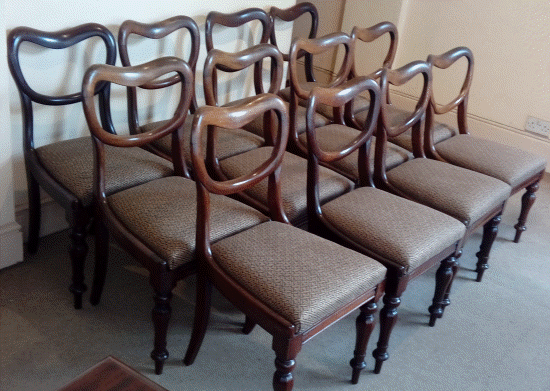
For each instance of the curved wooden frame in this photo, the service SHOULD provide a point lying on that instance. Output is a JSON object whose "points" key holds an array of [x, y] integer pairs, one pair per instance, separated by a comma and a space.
{"points": [[444, 61], [397, 277], [162, 278], [314, 47], [290, 15], [157, 30], [287, 341], [38, 176]]}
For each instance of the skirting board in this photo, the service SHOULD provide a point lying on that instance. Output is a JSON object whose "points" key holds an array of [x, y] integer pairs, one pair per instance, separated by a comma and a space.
{"points": [[11, 244], [488, 129]]}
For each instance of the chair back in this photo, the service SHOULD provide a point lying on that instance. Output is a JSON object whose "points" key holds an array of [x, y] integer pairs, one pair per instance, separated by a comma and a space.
{"points": [[156, 31], [62, 39], [369, 34], [414, 121], [339, 96], [235, 117], [134, 76], [291, 14]]}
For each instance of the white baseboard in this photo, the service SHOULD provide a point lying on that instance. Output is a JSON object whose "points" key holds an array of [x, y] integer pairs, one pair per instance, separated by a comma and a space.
{"points": [[11, 244], [488, 129], [52, 218]]}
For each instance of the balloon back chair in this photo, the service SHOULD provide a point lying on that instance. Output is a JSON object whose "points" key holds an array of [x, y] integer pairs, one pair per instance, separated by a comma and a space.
{"points": [[294, 168], [159, 31], [290, 282], [406, 237], [473, 198], [519, 169], [154, 222], [64, 169]]}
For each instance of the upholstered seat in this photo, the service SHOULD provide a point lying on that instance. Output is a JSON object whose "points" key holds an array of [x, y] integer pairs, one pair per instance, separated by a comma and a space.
{"points": [[229, 142], [162, 214], [511, 165], [334, 137], [463, 194], [264, 261], [404, 231], [70, 162], [293, 180]]}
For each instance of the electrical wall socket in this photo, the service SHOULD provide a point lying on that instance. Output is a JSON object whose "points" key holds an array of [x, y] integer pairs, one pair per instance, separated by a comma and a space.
{"points": [[537, 126]]}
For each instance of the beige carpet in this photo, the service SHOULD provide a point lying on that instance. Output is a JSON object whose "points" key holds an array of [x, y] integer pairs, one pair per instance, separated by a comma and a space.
{"points": [[494, 336]]}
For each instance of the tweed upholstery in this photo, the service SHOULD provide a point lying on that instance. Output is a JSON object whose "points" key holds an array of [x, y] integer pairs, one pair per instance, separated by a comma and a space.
{"points": [[307, 86], [71, 163], [441, 132], [229, 142], [393, 227], [257, 125], [463, 194], [302, 277], [293, 180], [334, 137], [163, 213], [511, 165]]}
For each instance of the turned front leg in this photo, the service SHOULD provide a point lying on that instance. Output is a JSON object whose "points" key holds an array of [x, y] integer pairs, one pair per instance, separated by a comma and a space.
{"points": [[527, 201], [490, 230], [443, 279], [364, 325]]}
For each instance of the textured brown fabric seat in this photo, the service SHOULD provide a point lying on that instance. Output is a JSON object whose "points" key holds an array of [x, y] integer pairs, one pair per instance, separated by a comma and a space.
{"points": [[511, 165], [71, 162], [335, 136], [404, 231], [228, 143], [463, 194], [263, 258], [163, 213], [290, 282], [293, 181]]}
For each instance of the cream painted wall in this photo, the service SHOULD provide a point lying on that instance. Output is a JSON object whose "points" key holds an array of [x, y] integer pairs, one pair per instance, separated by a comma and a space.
{"points": [[62, 123], [510, 41]]}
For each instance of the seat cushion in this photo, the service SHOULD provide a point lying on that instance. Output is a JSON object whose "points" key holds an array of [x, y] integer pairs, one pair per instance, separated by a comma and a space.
{"points": [[163, 215], [441, 131], [464, 194], [229, 142], [300, 276], [511, 165], [257, 125], [71, 163], [293, 180], [334, 137]]}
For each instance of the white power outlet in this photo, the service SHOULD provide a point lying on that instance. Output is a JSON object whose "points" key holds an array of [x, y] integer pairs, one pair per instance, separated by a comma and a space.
{"points": [[537, 126]]}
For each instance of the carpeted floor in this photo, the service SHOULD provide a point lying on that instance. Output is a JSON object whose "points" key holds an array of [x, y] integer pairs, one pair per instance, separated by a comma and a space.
{"points": [[494, 336]]}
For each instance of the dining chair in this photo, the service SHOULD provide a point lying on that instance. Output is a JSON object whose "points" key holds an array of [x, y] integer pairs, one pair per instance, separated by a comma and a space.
{"points": [[64, 168], [473, 198], [405, 236], [517, 168], [158, 31], [398, 114], [155, 221], [290, 282]]}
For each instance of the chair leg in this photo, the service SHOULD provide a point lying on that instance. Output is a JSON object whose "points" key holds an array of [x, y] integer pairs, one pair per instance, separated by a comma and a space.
{"points": [[161, 316], [364, 325], [455, 267], [248, 326], [78, 252], [286, 352], [202, 313], [34, 213], [527, 201], [101, 260], [395, 286], [490, 230], [443, 279]]}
